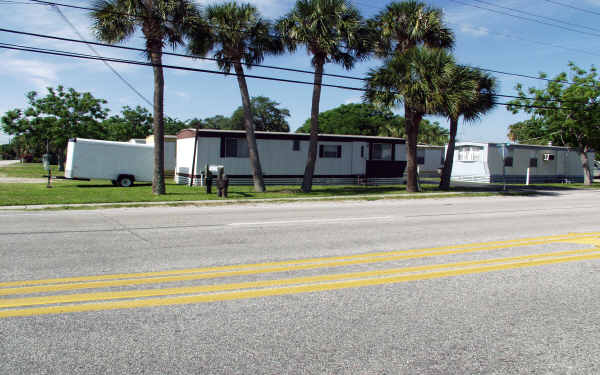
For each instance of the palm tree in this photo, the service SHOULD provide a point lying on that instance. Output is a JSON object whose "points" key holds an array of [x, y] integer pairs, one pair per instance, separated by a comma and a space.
{"points": [[240, 36], [470, 93], [404, 25], [415, 79], [332, 31], [161, 22]]}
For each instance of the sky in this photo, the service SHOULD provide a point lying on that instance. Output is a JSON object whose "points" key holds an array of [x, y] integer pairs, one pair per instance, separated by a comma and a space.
{"points": [[483, 39]]}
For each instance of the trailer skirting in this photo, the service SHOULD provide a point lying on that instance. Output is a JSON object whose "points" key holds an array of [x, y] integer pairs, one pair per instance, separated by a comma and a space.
{"points": [[285, 181], [519, 179]]}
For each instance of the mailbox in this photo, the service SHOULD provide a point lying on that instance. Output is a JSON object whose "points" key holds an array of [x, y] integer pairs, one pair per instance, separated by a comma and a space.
{"points": [[46, 161]]}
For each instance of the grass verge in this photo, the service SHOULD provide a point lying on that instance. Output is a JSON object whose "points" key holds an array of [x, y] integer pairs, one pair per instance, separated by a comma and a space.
{"points": [[66, 192]]}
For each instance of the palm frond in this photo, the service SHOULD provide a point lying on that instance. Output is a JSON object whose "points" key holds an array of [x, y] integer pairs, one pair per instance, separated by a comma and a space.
{"points": [[331, 31]]}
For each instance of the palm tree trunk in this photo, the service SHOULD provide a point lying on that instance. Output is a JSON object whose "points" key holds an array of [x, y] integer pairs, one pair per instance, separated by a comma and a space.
{"points": [[413, 119], [309, 171], [257, 176], [449, 160], [158, 125], [587, 174]]}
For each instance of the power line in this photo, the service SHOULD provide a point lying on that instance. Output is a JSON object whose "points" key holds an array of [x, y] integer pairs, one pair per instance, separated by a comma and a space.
{"points": [[266, 66], [175, 54], [257, 65], [537, 15], [506, 35], [573, 7], [525, 18], [145, 63], [105, 62], [40, 2]]}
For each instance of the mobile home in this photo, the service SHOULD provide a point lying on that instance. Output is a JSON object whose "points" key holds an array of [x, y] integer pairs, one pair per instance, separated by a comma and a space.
{"points": [[341, 159], [500, 162], [430, 160], [170, 152]]}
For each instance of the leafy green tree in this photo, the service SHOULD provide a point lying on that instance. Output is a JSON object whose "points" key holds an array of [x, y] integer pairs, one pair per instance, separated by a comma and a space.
{"points": [[131, 123], [332, 32], [469, 93], [137, 123], [355, 119], [8, 151], [49, 121], [432, 134], [567, 114], [266, 116], [370, 120], [174, 126], [416, 80], [239, 36], [161, 22], [216, 122], [531, 131]]}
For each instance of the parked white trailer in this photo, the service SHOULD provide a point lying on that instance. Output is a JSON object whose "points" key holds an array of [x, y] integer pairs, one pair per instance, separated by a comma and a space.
{"points": [[500, 162], [121, 162], [341, 159]]}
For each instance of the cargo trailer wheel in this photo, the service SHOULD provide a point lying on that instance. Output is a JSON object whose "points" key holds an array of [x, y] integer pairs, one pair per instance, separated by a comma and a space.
{"points": [[125, 181]]}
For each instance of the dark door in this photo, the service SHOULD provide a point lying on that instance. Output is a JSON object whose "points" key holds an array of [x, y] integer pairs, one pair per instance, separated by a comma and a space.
{"points": [[385, 168]]}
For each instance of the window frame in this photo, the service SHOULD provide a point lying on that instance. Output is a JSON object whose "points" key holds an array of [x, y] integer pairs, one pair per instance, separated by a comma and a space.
{"points": [[329, 154], [533, 162], [227, 148], [391, 150]]}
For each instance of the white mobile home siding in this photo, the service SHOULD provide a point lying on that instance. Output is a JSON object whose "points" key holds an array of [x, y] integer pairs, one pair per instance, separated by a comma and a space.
{"points": [[281, 164], [565, 166]]}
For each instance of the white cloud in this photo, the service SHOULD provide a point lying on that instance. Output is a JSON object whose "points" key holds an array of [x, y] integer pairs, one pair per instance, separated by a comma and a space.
{"points": [[356, 99], [41, 74], [181, 94], [477, 31]]}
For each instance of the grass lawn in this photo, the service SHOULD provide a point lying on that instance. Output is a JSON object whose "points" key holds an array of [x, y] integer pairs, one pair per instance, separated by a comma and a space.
{"points": [[102, 191], [28, 170]]}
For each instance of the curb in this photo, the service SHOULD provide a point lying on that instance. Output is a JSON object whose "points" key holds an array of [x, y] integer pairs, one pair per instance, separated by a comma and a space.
{"points": [[219, 202]]}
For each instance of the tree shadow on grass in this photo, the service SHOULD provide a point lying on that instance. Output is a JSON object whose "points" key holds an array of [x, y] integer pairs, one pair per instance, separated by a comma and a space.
{"points": [[112, 186], [358, 190]]}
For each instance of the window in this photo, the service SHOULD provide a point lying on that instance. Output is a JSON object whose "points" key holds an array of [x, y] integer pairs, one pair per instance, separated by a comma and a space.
{"points": [[533, 162], [362, 151], [296, 145], [381, 151], [508, 161], [330, 151], [469, 153], [548, 157], [234, 148], [420, 157]]}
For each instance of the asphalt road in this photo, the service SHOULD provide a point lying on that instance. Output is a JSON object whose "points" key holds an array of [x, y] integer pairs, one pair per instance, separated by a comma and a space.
{"points": [[495, 285]]}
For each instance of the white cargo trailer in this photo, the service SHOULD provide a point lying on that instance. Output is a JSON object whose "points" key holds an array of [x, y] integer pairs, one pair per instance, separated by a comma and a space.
{"points": [[121, 162]]}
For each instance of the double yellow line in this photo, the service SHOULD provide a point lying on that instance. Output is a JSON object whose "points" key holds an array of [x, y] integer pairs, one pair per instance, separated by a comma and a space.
{"points": [[26, 306]]}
